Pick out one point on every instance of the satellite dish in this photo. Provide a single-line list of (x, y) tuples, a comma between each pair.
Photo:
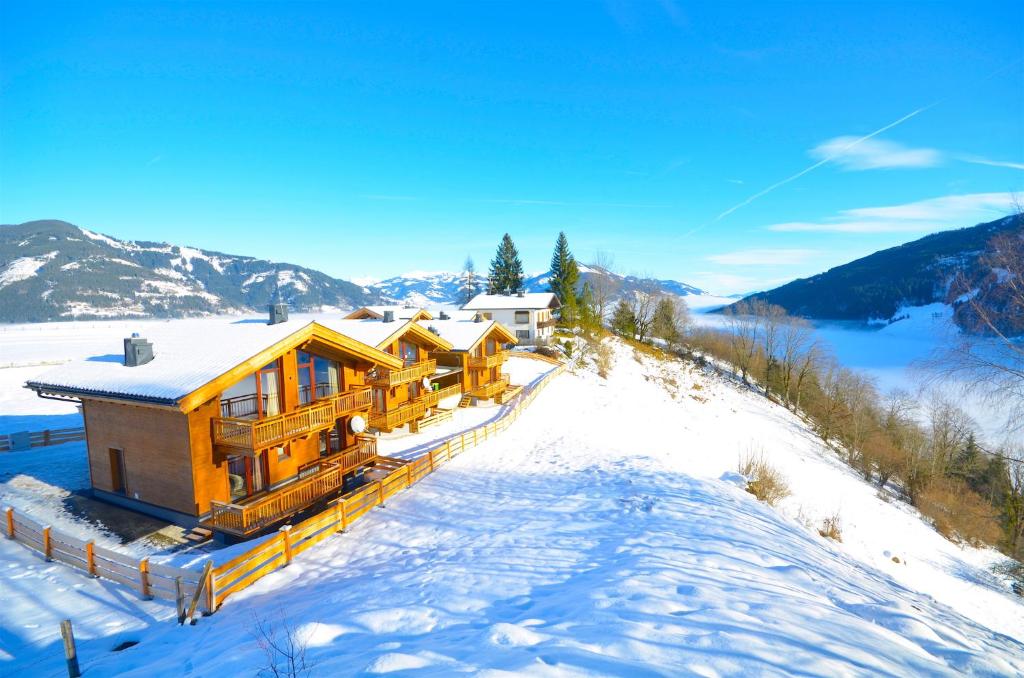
[(357, 424), (426, 383)]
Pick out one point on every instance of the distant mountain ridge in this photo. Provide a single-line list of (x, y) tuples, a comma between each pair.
[(875, 287), (445, 287), (54, 270)]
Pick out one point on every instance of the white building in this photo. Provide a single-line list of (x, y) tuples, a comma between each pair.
[(528, 315)]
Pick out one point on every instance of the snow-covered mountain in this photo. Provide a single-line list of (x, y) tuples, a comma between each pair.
[(445, 287), (53, 270)]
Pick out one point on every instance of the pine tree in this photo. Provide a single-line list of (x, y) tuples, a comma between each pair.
[(564, 271), (469, 287), (586, 308), (623, 320), (506, 274)]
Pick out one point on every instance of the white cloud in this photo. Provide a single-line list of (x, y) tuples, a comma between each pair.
[(855, 153), (765, 257), (935, 214)]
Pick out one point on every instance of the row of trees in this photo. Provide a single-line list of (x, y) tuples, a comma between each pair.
[(926, 449)]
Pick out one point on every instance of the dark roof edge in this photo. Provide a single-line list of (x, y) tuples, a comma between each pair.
[(39, 387)]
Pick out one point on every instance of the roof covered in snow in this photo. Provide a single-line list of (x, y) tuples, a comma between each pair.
[(188, 354), (531, 300), (401, 312), (462, 334)]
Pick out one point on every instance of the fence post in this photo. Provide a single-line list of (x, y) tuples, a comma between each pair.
[(286, 534), (10, 522), (46, 437), (70, 653), (90, 557), (408, 475), (448, 449), (204, 579), (211, 593), (344, 514), (47, 544), (144, 579), (179, 600)]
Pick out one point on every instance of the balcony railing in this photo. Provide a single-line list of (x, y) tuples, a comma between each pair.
[(381, 376), (550, 322), (432, 398), (487, 361), (492, 389), (252, 435), (403, 414), (275, 506)]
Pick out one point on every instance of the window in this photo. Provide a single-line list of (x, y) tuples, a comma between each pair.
[(283, 453), (522, 334), (117, 474), (408, 352), (522, 317)]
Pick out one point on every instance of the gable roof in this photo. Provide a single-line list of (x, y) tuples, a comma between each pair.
[(401, 313), (380, 334), (192, 360), (464, 335), (531, 300)]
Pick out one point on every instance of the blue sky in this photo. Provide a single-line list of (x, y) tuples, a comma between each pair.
[(369, 139)]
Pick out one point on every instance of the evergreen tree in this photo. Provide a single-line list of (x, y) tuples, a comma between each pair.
[(586, 308), (666, 322), (506, 274), (469, 287), (565, 275), (623, 320)]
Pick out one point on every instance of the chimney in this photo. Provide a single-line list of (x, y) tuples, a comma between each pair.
[(389, 316), (478, 318), (520, 294), (443, 316), (433, 330), (137, 351), (278, 314)]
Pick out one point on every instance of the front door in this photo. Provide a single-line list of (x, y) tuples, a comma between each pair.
[(117, 471)]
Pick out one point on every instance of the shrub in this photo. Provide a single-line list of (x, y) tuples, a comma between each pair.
[(763, 480), (958, 513), (604, 360), (831, 528)]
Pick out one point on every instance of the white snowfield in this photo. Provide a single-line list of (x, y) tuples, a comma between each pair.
[(605, 533)]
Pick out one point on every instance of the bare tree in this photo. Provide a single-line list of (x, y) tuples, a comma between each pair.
[(987, 357), (283, 647), (794, 343), (744, 328), (643, 302), (604, 284)]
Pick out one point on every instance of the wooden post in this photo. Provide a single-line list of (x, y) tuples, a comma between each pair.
[(380, 494), (47, 543), (206, 575), (344, 515), (10, 522), (448, 449), (46, 437), (70, 653), (144, 579), (179, 600), (286, 534), (431, 455), (211, 593), (408, 475), (90, 557)]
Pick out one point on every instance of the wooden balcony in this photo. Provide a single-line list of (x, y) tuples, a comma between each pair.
[(432, 398), (388, 378), (492, 389), (253, 435), (550, 322), (312, 486), (403, 414), (488, 361)]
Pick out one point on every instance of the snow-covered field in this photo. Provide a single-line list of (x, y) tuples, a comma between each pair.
[(603, 533)]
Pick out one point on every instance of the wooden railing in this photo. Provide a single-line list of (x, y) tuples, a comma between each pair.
[(384, 377), (492, 389), (432, 398), (244, 519), (259, 434), (493, 360), (550, 322), (403, 414), (15, 442)]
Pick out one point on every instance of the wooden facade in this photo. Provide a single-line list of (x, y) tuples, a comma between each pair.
[(248, 438), (477, 369)]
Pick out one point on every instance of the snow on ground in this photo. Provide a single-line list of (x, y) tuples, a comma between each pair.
[(603, 533)]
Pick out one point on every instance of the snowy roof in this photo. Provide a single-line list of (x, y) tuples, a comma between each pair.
[(401, 312), (486, 302), (461, 334), (189, 354)]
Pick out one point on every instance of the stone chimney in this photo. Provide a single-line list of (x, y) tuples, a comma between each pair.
[(137, 351), (278, 314), (389, 316)]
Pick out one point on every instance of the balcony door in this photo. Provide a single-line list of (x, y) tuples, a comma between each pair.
[(255, 396), (491, 347), (408, 352), (318, 377), (246, 476)]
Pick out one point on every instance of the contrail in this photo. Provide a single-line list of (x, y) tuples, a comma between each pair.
[(818, 164)]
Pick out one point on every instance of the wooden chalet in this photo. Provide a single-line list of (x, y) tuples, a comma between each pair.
[(479, 349), (240, 425), (396, 313)]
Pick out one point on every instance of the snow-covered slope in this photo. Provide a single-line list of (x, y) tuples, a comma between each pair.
[(603, 533)]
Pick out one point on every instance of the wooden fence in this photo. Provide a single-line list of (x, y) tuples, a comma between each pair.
[(215, 584), (55, 436), (291, 540), (151, 580)]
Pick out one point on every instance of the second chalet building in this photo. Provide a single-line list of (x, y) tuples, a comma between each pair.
[(244, 423)]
